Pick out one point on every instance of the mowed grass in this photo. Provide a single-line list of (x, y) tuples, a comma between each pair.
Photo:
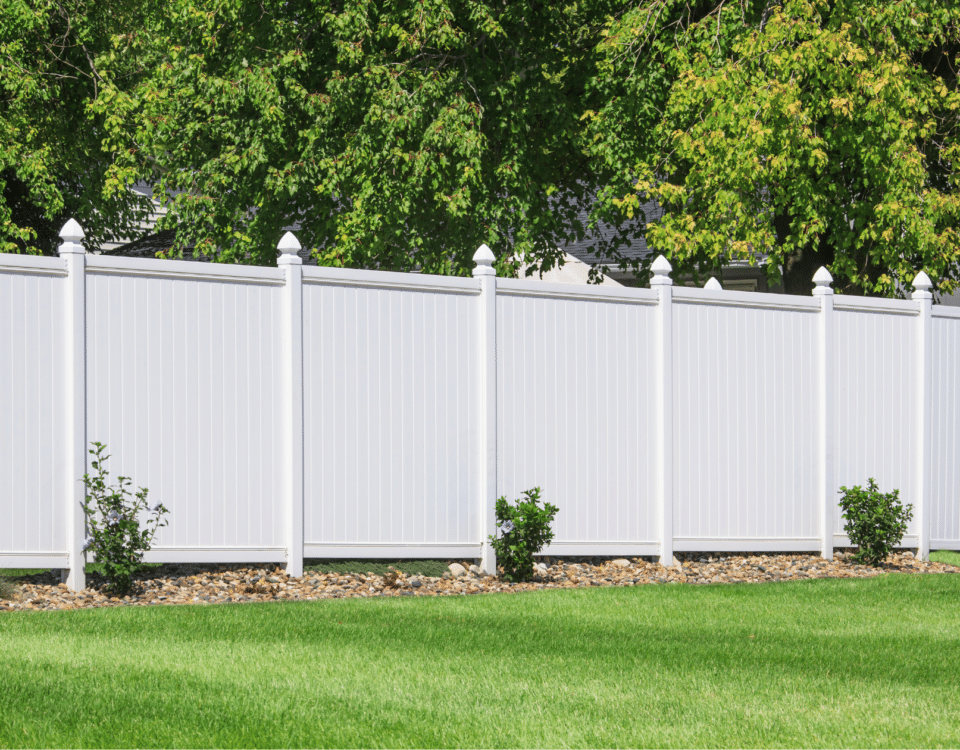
[(88, 568), (946, 556), (434, 568), (833, 663)]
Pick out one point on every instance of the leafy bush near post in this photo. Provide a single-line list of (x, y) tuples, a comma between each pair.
[(525, 529), (114, 533), (874, 521)]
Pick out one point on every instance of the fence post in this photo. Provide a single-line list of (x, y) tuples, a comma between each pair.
[(75, 335), (485, 273), (292, 396), (663, 401), (924, 300), (827, 390)]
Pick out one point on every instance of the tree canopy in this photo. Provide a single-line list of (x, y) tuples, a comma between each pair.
[(797, 134), (394, 134), (52, 166), (401, 134)]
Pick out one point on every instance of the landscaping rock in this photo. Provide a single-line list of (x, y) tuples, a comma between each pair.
[(204, 585), (457, 569)]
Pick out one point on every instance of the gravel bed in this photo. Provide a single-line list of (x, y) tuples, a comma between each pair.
[(212, 584)]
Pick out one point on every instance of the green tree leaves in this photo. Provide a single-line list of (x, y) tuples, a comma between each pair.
[(804, 133), (402, 135), (52, 162), (396, 135)]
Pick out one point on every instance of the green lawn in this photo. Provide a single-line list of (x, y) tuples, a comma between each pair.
[(435, 568), (946, 556), (89, 568), (833, 663)]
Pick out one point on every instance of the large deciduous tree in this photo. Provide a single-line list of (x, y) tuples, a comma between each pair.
[(52, 165), (396, 134), (794, 134), (401, 134)]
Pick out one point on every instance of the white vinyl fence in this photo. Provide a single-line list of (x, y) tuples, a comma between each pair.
[(292, 412)]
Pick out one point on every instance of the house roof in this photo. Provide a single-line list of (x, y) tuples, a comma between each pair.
[(149, 246), (636, 250)]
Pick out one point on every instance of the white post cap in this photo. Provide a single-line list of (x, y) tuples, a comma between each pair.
[(713, 284), (71, 234), (922, 285), (661, 272), (823, 280), (484, 259), (289, 246)]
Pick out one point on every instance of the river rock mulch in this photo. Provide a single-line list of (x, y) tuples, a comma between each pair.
[(218, 584)]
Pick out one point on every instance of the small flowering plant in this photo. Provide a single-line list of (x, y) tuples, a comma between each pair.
[(114, 535), (524, 529)]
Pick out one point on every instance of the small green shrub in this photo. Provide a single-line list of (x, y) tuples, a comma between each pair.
[(115, 536), (874, 521), (525, 530)]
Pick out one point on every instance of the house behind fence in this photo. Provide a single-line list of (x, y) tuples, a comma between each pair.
[(292, 412)]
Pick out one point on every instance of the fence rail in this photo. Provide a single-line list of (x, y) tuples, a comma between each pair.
[(290, 412)]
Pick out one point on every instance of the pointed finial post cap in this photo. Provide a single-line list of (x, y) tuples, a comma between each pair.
[(823, 280), (72, 231), (661, 272), (289, 246), (713, 284), (484, 259), (922, 285), (71, 234)]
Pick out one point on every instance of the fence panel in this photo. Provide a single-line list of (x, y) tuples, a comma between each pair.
[(389, 418), (945, 413), (182, 383), (33, 466), (877, 379), (192, 383), (745, 436), (574, 378)]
